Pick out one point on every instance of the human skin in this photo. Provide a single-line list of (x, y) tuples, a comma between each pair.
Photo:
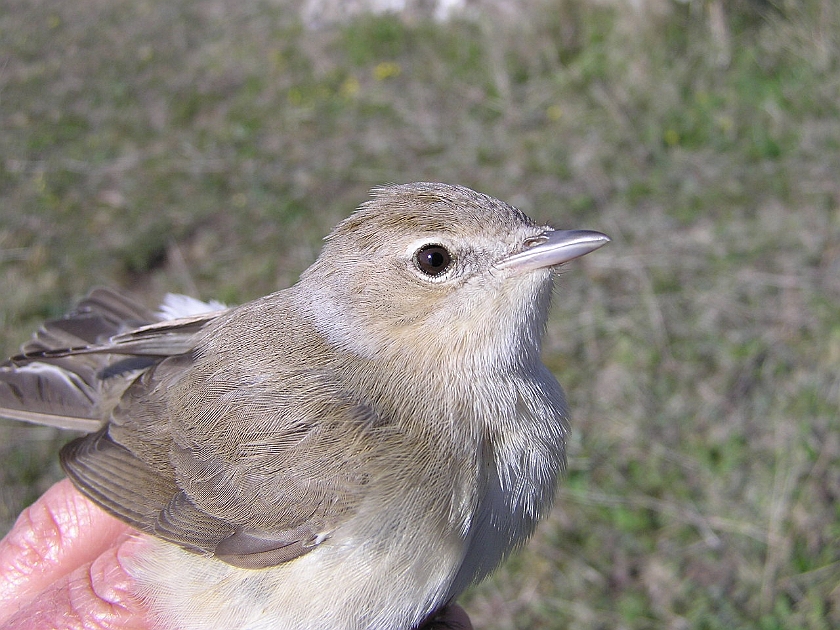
[(62, 566)]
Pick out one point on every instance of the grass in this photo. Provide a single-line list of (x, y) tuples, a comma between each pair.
[(206, 148)]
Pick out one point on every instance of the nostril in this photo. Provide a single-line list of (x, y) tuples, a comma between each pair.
[(534, 241)]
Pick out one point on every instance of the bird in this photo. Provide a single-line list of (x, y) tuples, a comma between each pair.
[(350, 452)]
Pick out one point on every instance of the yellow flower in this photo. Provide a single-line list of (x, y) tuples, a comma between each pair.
[(349, 88), (386, 70)]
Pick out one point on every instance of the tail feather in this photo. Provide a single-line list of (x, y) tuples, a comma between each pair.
[(74, 367)]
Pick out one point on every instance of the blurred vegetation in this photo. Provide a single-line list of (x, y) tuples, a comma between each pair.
[(206, 147)]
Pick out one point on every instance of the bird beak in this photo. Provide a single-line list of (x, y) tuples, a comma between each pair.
[(552, 248)]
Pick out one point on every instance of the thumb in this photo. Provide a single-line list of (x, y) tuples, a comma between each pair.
[(60, 567), (95, 596)]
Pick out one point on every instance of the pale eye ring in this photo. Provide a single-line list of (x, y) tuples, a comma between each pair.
[(433, 259)]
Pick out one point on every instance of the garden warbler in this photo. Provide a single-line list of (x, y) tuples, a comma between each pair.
[(350, 452)]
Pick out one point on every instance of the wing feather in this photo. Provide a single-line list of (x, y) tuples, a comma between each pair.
[(256, 463), (75, 367)]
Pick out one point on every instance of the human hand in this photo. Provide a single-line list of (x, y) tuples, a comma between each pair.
[(453, 617), (61, 566)]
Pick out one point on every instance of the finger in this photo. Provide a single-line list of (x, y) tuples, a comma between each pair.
[(97, 595), (58, 533), (453, 617)]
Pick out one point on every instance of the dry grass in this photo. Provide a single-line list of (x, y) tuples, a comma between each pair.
[(206, 147)]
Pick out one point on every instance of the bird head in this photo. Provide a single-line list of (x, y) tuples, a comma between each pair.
[(439, 267)]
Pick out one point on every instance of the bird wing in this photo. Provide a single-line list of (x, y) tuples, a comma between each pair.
[(223, 453), (73, 365), (134, 492)]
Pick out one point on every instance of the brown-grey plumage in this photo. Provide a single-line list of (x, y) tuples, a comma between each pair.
[(384, 428)]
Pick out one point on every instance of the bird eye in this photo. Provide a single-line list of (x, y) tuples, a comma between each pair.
[(433, 260)]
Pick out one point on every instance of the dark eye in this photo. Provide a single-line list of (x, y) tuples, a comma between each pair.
[(433, 260)]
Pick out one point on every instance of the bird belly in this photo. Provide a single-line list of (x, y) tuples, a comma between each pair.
[(338, 585)]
